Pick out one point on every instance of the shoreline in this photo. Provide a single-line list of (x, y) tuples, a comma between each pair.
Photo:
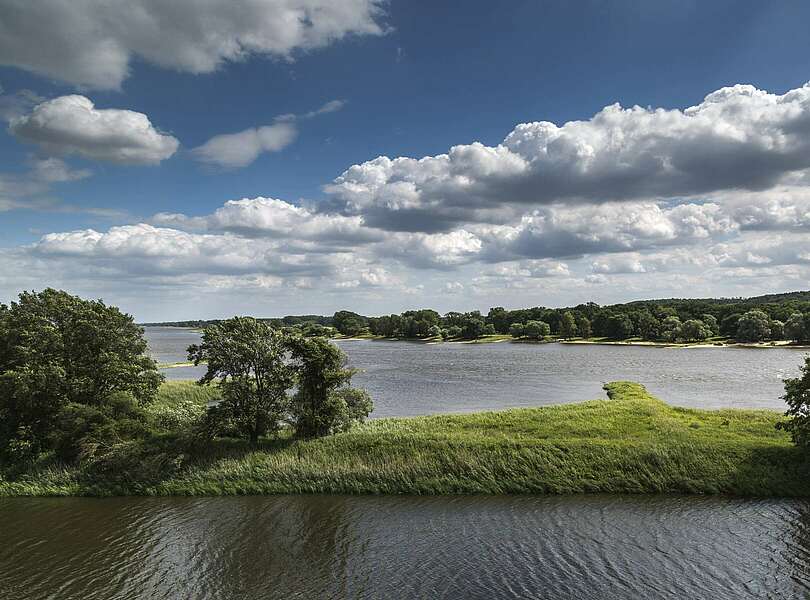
[(630, 443)]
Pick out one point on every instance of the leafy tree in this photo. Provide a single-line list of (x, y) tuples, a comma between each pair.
[(648, 327), (568, 326), (348, 323), (249, 361), (619, 327), (516, 330), (695, 330), (61, 354), (753, 326), (454, 331), (324, 402), (777, 330), (434, 331), (500, 319), (728, 324), (584, 327), (796, 327), (472, 328), (536, 330), (797, 397), (711, 322), (671, 329)]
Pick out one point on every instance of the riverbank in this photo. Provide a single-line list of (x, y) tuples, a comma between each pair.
[(631, 443)]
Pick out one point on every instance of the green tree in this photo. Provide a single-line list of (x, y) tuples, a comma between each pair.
[(249, 360), (753, 326), (324, 403), (649, 328), (61, 355), (797, 397), (695, 330), (348, 323), (568, 326), (473, 328), (777, 330), (796, 327), (619, 327), (711, 322), (671, 329), (584, 327), (516, 330), (536, 330)]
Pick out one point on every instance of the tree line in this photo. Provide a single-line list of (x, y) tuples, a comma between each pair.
[(76, 381), (745, 320)]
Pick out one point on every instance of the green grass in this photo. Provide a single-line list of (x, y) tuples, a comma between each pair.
[(630, 443), (172, 393)]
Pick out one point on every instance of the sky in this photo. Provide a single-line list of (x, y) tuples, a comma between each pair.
[(197, 159)]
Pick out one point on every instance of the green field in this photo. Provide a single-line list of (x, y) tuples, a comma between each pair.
[(629, 443)]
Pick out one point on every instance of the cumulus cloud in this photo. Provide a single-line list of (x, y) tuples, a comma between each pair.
[(73, 125), (273, 218), (92, 42), (234, 150), (561, 231), (738, 138)]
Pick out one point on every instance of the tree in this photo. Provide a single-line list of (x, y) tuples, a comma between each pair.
[(649, 328), (536, 330), (61, 354), (472, 328), (584, 327), (797, 397), (694, 330), (568, 326), (434, 331), (619, 327), (753, 326), (250, 362), (348, 323), (777, 330), (499, 317), (324, 403), (516, 330), (671, 329), (796, 327), (711, 322)]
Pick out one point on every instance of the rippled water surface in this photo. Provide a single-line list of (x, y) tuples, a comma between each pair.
[(404, 547), (407, 378)]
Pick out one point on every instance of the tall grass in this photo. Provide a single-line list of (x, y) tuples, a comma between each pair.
[(631, 442)]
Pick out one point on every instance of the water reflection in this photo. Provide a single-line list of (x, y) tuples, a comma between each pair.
[(404, 547)]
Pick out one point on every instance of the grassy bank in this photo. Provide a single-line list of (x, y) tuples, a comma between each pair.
[(631, 442)]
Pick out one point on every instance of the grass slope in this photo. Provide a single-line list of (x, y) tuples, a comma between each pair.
[(632, 443)]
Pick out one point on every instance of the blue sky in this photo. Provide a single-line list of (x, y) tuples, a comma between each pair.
[(405, 79)]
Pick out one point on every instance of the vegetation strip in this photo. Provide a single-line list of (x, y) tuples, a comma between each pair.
[(632, 442)]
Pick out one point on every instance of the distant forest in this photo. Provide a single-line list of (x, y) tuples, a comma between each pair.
[(769, 317)]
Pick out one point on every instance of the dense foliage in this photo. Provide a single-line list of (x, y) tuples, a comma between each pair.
[(74, 375), (797, 397), (256, 367)]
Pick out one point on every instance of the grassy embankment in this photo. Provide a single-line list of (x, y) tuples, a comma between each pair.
[(632, 443)]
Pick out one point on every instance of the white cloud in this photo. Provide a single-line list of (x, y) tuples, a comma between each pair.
[(73, 125), (272, 218), (234, 150), (737, 138), (92, 42), (56, 170)]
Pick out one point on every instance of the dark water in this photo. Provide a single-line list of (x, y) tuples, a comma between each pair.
[(602, 547), (407, 378)]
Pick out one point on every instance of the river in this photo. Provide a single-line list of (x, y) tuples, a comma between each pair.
[(413, 378), (602, 547), (565, 547)]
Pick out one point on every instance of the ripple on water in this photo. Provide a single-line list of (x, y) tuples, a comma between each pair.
[(405, 547)]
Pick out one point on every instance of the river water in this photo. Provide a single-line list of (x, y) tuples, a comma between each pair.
[(577, 547), (602, 547), (412, 378)]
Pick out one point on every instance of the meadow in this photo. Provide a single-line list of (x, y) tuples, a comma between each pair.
[(630, 442)]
